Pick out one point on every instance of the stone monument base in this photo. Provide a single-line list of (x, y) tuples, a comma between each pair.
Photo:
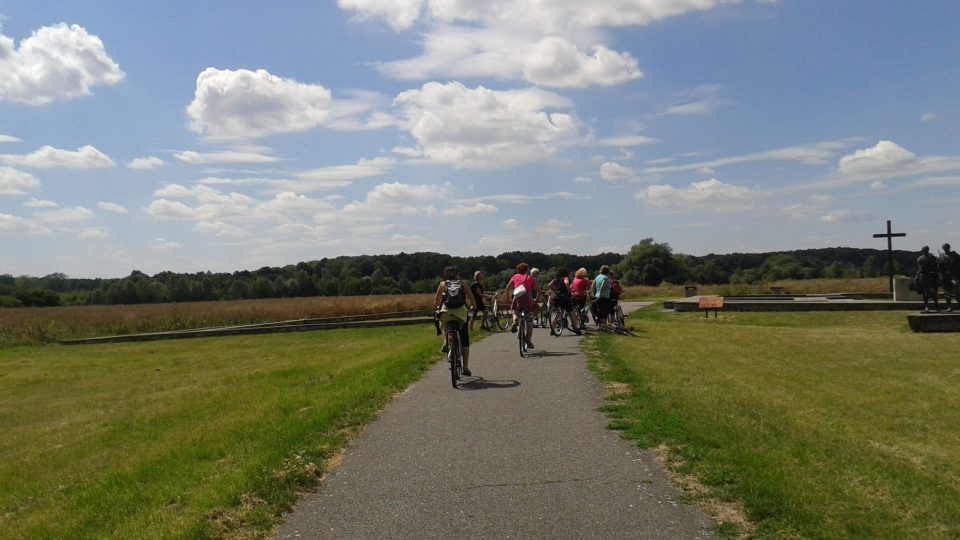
[(934, 322)]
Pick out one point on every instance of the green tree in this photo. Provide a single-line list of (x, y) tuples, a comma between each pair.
[(650, 263)]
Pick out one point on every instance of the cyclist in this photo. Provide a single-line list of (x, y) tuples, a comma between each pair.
[(522, 300), (478, 295), (602, 287), (537, 297), (451, 302), (561, 296), (578, 289)]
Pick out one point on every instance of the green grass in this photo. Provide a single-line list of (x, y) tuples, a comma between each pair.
[(186, 439), (823, 425)]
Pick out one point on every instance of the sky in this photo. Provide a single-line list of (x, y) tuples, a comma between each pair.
[(229, 135)]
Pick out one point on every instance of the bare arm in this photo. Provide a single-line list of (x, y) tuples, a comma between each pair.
[(438, 299), (471, 301)]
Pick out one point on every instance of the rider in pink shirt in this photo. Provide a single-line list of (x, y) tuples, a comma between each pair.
[(579, 288)]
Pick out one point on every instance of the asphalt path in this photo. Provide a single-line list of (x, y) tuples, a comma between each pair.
[(520, 450)]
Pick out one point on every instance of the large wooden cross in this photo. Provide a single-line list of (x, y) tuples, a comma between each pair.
[(889, 235)]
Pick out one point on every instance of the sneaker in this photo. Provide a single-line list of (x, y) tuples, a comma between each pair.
[(530, 345), (577, 332), (445, 348), (467, 372), (513, 328)]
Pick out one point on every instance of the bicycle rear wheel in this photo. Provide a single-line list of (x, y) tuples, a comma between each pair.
[(456, 360), (522, 333), (557, 315), (618, 316), (499, 320)]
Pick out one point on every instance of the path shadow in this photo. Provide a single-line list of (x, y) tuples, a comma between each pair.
[(479, 383), (543, 354)]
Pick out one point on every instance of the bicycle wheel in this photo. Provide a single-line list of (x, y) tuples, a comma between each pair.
[(485, 321), (499, 320), (557, 315), (618, 316), (522, 333), (456, 360)]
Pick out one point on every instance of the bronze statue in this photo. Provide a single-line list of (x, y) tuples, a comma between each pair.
[(948, 264), (927, 278)]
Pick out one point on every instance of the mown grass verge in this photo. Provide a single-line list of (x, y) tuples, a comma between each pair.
[(205, 438), (819, 425)]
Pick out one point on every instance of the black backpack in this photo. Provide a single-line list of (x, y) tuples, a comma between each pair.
[(453, 294)]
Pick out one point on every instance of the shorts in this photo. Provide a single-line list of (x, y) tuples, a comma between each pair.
[(564, 302), (604, 307), (579, 301), (460, 316)]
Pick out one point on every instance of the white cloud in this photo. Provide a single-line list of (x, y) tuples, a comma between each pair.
[(244, 104), (65, 215), (885, 157), (480, 128), (397, 198), (160, 244), (627, 141), (928, 117), (93, 233), (8, 139), (613, 172), (145, 163), (555, 62), (333, 177), (582, 180), (164, 209), (56, 63), (48, 157), (14, 182), (221, 229), (558, 44), (14, 224), (468, 209), (807, 154), (514, 198), (284, 206), (843, 216), (225, 156), (39, 203), (510, 224), (707, 195), (111, 207)]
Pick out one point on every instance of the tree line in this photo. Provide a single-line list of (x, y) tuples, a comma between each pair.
[(646, 263)]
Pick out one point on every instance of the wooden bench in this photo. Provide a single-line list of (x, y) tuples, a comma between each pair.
[(711, 302)]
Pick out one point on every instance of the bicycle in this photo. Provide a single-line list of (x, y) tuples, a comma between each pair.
[(451, 335), (557, 319), (491, 319), (522, 323), (618, 317)]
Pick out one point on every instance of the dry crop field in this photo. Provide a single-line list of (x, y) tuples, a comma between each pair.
[(37, 325)]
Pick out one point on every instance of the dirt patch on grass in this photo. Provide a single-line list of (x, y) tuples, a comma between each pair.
[(722, 512)]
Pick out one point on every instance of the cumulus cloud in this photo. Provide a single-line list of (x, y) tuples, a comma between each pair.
[(65, 215), (145, 163), (10, 224), (56, 63), (113, 208), (160, 244), (885, 157), (557, 44), (221, 229), (14, 182), (614, 172), (253, 155), (397, 198), (48, 157), (8, 139), (469, 209), (626, 141), (39, 203), (244, 104), (93, 233), (480, 128), (707, 195), (843, 216)]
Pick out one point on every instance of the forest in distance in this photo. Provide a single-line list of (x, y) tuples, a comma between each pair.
[(647, 263)]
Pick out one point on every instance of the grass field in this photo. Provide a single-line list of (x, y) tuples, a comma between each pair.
[(817, 425), (790, 286), (195, 438), (40, 325)]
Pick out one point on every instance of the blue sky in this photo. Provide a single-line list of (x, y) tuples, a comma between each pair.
[(225, 135)]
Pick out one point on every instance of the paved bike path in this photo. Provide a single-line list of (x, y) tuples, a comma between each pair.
[(519, 451)]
